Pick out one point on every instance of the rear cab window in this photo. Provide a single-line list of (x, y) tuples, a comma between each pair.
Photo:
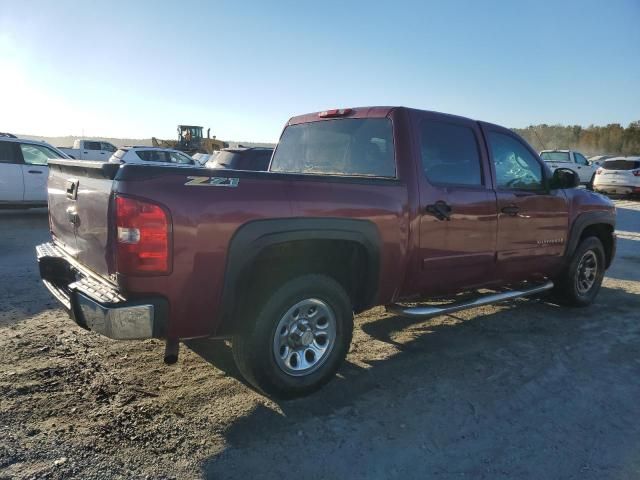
[(347, 146), (555, 156)]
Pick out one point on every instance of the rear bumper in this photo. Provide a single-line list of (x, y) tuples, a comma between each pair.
[(95, 304), (620, 189)]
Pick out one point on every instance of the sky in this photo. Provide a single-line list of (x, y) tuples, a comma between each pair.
[(136, 69)]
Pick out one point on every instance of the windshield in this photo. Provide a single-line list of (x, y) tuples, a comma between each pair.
[(359, 146), (555, 156), (621, 164)]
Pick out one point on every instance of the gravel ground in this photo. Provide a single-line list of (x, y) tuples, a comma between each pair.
[(526, 390)]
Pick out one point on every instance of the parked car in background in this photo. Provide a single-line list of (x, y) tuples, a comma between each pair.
[(360, 207), (24, 171), (203, 158), (598, 160), (90, 150), (152, 156), (618, 175), (242, 158), (572, 160)]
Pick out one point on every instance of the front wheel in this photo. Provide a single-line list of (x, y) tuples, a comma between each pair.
[(580, 282), (294, 342)]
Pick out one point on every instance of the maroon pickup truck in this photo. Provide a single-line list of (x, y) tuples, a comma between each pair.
[(360, 207)]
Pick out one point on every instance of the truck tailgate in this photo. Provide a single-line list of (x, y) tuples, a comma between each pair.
[(79, 194)]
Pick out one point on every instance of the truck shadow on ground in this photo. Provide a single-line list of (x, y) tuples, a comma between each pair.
[(514, 346)]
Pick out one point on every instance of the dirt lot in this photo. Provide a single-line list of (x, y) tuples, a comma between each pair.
[(524, 390)]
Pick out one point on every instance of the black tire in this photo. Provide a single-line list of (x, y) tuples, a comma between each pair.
[(568, 290), (253, 345)]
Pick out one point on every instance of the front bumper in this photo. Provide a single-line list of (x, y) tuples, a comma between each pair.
[(97, 305)]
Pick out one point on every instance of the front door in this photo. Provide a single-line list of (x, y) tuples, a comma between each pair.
[(11, 184), (458, 218), (532, 221), (35, 171)]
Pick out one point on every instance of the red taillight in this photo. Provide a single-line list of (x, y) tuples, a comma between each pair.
[(636, 173), (341, 112), (142, 237), (598, 171)]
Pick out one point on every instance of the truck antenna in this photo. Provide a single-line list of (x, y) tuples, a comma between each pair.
[(544, 147)]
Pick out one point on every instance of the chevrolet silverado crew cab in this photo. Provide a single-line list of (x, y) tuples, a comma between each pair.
[(360, 207)]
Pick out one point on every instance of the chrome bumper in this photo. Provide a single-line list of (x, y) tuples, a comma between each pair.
[(97, 305)]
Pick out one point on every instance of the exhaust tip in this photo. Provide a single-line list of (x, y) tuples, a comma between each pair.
[(171, 351)]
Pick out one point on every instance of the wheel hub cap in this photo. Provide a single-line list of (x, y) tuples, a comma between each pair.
[(587, 272), (304, 337)]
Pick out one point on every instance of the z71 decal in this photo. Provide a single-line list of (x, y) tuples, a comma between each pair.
[(212, 182)]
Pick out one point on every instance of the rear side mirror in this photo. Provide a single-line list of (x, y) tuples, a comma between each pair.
[(564, 178)]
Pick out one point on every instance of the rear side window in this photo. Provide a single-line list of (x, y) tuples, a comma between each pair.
[(92, 145), (355, 146), (621, 164), (449, 154), (9, 153)]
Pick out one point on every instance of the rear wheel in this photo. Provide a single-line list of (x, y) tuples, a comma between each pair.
[(294, 342), (581, 281)]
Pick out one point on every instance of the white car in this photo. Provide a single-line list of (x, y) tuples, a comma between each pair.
[(24, 171), (620, 175), (152, 156), (572, 160)]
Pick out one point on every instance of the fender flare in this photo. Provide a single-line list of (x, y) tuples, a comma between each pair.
[(583, 221), (254, 237)]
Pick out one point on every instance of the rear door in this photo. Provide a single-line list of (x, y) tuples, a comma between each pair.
[(11, 182), (457, 205), (92, 151), (532, 221)]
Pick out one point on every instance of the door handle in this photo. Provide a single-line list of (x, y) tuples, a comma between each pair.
[(511, 210), (440, 210), (34, 171)]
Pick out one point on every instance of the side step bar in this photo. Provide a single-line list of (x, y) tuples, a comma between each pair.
[(433, 311)]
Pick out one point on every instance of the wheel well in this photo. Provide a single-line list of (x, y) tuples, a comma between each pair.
[(604, 232), (343, 260)]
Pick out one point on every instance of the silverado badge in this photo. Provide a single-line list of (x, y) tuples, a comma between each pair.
[(213, 181)]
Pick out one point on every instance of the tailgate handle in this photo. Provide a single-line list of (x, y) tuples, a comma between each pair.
[(72, 189)]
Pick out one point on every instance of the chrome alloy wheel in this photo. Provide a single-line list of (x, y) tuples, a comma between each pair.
[(587, 272), (304, 337)]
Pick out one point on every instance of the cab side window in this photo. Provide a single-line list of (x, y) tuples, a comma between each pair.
[(516, 167), (580, 159), (8, 153), (37, 154), (450, 154), (92, 145), (108, 147)]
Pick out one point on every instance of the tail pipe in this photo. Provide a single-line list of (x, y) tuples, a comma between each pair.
[(171, 349), (423, 311)]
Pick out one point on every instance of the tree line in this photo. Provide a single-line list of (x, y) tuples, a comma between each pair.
[(613, 139)]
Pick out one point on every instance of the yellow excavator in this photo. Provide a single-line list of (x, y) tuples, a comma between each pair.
[(190, 141)]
